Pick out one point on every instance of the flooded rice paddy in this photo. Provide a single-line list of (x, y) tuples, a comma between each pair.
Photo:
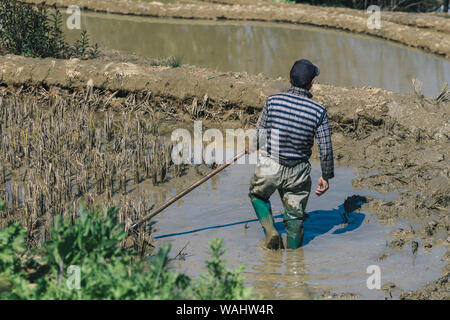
[(338, 246), (335, 255), (345, 59)]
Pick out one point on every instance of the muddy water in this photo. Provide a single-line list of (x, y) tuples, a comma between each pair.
[(270, 49), (335, 255)]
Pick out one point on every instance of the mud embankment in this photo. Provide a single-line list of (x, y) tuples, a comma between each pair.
[(397, 142), (417, 115), (424, 31), (132, 77)]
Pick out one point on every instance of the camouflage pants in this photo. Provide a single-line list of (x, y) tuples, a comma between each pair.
[(292, 183)]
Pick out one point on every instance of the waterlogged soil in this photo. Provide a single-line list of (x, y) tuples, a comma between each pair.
[(429, 32), (398, 145), (338, 246), (269, 48)]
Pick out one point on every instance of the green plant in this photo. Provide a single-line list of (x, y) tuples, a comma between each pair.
[(13, 261), (90, 237), (219, 282), (173, 62), (106, 270), (34, 32)]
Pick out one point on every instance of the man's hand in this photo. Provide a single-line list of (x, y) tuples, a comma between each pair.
[(322, 186)]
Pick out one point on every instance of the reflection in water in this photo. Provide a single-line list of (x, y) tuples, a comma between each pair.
[(292, 284), (345, 60)]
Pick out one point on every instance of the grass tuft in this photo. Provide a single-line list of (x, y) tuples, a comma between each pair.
[(173, 62)]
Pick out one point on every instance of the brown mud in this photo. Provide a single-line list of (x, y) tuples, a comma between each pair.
[(396, 142), (429, 32)]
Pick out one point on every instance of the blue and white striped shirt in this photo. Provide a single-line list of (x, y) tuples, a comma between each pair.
[(296, 120)]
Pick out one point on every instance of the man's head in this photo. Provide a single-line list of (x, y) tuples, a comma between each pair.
[(303, 73)]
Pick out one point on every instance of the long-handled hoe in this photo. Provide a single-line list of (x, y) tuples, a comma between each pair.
[(187, 190)]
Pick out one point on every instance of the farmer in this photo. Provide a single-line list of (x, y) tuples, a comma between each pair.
[(285, 135)]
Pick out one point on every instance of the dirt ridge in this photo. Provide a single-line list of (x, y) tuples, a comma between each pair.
[(244, 91)]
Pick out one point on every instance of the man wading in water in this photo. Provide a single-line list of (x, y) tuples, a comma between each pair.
[(289, 123)]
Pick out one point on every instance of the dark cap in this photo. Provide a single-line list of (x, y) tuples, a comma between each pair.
[(302, 72)]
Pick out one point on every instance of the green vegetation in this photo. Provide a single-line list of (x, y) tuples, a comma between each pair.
[(92, 243), (173, 62), (391, 5), (35, 32)]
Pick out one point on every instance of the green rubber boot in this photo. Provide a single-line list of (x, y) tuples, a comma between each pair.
[(294, 232), (264, 214)]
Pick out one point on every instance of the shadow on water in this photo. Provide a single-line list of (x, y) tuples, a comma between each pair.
[(340, 242), (342, 219)]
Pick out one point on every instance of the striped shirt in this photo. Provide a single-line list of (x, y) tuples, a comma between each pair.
[(290, 121)]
